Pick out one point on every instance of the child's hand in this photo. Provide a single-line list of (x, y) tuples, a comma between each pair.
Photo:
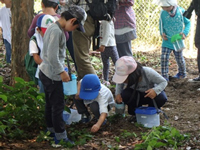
[(95, 128), (118, 98), (77, 96), (164, 36), (183, 35), (101, 48), (150, 93), (65, 76)]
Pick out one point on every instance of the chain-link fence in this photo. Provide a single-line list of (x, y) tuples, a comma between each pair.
[(148, 35)]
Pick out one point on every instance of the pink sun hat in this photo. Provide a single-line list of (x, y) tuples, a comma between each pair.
[(123, 67)]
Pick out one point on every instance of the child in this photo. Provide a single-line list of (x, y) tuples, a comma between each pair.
[(5, 19), (107, 47), (143, 85), (52, 72), (100, 98), (172, 22), (48, 7), (36, 42)]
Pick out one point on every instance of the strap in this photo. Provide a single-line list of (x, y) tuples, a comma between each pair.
[(154, 102), (34, 39)]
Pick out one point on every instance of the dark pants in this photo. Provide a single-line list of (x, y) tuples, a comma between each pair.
[(132, 104), (82, 108), (70, 47), (197, 42), (54, 107)]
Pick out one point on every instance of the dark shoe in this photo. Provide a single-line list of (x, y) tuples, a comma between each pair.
[(132, 119), (197, 79), (66, 140), (179, 76), (85, 118)]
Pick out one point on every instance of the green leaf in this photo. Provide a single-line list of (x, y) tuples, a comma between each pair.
[(4, 97), (1, 78), (67, 109), (149, 147), (18, 79)]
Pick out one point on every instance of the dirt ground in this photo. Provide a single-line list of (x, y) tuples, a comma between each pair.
[(182, 108)]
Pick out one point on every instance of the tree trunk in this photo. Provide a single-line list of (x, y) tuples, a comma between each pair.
[(22, 15)]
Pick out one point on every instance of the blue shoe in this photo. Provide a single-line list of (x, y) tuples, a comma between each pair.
[(179, 76), (66, 140), (85, 118)]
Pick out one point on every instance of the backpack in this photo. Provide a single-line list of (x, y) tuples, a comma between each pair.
[(30, 64), (102, 9)]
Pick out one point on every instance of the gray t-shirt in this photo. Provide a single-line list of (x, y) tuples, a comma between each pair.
[(54, 52)]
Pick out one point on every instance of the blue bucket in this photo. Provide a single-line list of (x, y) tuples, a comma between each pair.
[(70, 88)]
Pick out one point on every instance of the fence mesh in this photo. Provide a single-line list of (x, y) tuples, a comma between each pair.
[(148, 35)]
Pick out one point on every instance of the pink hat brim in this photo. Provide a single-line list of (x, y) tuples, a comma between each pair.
[(119, 79)]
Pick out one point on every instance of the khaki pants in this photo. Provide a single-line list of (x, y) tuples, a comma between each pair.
[(82, 42)]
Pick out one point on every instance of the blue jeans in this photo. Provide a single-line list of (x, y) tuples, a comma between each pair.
[(8, 51), (41, 90)]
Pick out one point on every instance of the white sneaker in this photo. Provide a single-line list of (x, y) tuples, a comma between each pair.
[(198, 89)]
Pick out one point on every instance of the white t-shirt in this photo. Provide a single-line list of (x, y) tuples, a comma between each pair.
[(34, 49), (107, 33), (104, 99), (5, 19)]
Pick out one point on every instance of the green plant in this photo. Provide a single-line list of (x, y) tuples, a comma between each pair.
[(21, 109), (126, 134), (162, 136), (114, 118)]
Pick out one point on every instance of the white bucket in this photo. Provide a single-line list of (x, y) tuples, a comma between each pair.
[(147, 116), (179, 45), (70, 88)]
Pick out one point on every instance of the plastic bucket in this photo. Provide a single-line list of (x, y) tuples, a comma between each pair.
[(70, 88), (147, 116), (178, 42), (119, 108)]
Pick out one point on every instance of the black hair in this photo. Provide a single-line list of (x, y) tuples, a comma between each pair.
[(134, 78), (49, 4), (67, 16)]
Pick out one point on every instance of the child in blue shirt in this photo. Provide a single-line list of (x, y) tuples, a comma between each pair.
[(172, 22)]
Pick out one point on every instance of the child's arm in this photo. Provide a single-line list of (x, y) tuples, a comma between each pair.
[(37, 58), (105, 25), (187, 26), (97, 126), (78, 90)]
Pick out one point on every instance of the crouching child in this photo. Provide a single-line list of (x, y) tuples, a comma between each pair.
[(100, 99)]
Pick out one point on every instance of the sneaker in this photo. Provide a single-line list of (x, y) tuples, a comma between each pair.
[(179, 76), (66, 140), (85, 118), (197, 79)]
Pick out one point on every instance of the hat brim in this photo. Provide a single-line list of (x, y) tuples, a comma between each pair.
[(81, 28), (119, 79), (88, 95)]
